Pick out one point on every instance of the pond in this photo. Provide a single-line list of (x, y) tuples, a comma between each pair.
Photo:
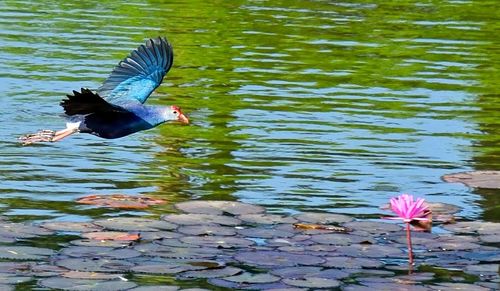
[(295, 106)]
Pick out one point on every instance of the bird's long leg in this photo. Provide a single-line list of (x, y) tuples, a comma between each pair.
[(47, 136)]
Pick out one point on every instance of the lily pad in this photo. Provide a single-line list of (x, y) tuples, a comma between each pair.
[(490, 238), (323, 218), (100, 252), (340, 239), (295, 272), (264, 232), (112, 235), (212, 273), (21, 230), (275, 258), (482, 256), (217, 241), (134, 224), (263, 218), (162, 288), (374, 227), (101, 243), (352, 263), (475, 179), (91, 275), (66, 226), (163, 268), (219, 207), (120, 201), (458, 286), (15, 267), (470, 227), (13, 279), (250, 278), (371, 251), (313, 282), (197, 219), (85, 284), (24, 253), (207, 229), (178, 253), (156, 235), (95, 265)]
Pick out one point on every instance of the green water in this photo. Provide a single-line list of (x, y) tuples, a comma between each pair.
[(295, 105)]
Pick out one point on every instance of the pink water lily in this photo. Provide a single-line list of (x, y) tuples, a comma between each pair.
[(407, 209)]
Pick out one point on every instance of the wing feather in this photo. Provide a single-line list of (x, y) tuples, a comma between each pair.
[(139, 74)]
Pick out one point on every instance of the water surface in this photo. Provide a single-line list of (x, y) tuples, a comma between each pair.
[(295, 105)]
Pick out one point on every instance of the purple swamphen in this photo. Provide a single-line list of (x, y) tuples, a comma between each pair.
[(117, 108)]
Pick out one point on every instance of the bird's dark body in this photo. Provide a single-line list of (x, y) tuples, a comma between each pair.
[(98, 117), (113, 125)]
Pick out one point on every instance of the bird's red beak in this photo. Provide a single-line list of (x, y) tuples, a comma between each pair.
[(182, 118)]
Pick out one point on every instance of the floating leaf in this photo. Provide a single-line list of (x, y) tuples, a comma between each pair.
[(275, 258), (295, 272), (339, 239), (207, 229), (163, 288), (95, 265), (21, 230), (24, 253), (308, 226), (120, 201), (475, 179), (45, 270), (112, 235), (264, 232), (266, 218), (374, 227), (100, 252), (66, 226), (163, 268), (154, 250), (13, 279), (250, 278), (91, 275), (323, 218), (217, 241), (313, 282), (101, 243), (85, 284), (352, 263), (212, 273), (458, 286), (134, 224), (371, 251), (197, 219), (219, 207), (156, 235), (470, 227)]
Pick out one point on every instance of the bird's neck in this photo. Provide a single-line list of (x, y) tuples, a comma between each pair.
[(154, 114)]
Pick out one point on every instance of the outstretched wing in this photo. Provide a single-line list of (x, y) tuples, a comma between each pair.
[(87, 102), (139, 74)]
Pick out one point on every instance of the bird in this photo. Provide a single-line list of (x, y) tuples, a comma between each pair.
[(116, 109)]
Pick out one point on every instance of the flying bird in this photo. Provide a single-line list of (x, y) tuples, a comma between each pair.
[(117, 108)]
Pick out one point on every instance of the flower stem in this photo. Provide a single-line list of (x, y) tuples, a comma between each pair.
[(410, 249)]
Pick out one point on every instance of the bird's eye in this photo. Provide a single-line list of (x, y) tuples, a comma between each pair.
[(175, 112)]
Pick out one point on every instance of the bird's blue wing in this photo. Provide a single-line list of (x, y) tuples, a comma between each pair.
[(139, 74)]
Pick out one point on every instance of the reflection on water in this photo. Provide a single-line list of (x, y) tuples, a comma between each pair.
[(296, 105)]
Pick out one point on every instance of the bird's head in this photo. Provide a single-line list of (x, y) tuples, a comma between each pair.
[(174, 113)]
